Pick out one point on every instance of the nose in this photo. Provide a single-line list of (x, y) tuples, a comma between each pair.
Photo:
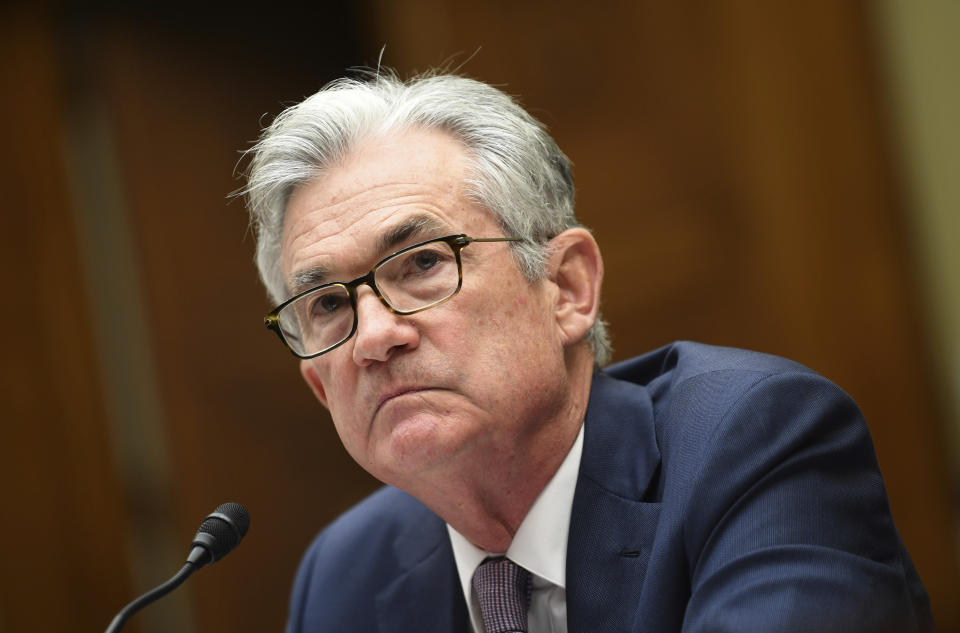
[(380, 332)]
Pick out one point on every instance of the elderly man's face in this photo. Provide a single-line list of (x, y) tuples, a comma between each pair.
[(444, 389)]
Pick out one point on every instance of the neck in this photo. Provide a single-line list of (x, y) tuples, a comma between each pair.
[(487, 500)]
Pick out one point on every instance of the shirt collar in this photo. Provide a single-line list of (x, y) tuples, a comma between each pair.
[(540, 543)]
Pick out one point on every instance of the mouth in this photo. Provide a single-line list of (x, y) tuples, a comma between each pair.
[(397, 393)]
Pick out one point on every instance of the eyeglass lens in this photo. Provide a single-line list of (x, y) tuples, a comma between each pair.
[(407, 281)]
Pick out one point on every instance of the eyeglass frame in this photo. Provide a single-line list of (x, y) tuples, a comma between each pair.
[(456, 242)]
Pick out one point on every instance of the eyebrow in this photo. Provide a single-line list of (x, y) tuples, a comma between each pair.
[(414, 226), (308, 279)]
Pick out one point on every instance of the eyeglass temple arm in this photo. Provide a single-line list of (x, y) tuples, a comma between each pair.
[(493, 239)]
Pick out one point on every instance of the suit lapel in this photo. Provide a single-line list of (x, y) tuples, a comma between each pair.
[(427, 596), (611, 528)]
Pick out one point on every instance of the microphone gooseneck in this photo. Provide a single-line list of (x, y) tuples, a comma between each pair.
[(221, 531)]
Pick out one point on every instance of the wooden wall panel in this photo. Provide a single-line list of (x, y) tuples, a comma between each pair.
[(63, 523)]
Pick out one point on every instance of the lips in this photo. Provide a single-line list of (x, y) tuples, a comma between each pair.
[(396, 393)]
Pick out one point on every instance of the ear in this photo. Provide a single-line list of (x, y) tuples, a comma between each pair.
[(312, 379), (576, 268)]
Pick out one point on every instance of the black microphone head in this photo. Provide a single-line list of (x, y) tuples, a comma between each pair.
[(235, 513), (222, 530)]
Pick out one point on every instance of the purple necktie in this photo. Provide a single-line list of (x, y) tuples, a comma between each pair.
[(503, 591)]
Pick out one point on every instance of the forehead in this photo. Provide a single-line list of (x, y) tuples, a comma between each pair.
[(339, 219)]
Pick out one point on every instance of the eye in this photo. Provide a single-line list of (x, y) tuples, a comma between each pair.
[(426, 259), (327, 304), (424, 264)]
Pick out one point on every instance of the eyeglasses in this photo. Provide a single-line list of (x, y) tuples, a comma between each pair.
[(411, 280)]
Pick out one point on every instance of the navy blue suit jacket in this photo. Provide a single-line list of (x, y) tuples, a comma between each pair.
[(719, 490)]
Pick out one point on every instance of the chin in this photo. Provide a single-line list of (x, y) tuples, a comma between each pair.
[(420, 441)]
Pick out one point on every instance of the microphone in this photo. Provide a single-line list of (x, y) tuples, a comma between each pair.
[(220, 532)]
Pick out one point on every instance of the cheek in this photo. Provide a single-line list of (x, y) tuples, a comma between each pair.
[(513, 339), (349, 424), (353, 442), (507, 304), (339, 385), (515, 311), (348, 434)]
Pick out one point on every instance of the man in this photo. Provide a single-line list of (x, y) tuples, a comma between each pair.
[(421, 241)]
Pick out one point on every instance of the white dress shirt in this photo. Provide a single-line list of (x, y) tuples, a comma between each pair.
[(539, 546)]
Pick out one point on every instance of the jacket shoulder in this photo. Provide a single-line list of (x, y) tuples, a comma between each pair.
[(697, 391), (357, 556), (685, 359)]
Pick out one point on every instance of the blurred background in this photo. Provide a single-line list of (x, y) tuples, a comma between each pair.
[(778, 176)]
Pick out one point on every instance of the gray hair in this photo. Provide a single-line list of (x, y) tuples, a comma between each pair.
[(516, 169)]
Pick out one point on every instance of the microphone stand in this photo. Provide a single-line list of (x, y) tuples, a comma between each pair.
[(151, 596)]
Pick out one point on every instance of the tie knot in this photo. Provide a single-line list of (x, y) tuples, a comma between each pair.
[(503, 591)]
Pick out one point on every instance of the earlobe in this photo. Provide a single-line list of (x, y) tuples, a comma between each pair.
[(310, 376), (576, 267)]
